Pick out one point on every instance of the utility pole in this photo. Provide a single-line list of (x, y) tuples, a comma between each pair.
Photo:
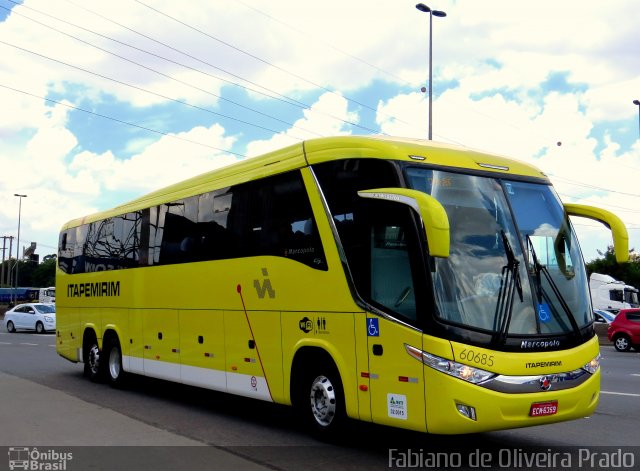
[(18, 257), (4, 248), (9, 277)]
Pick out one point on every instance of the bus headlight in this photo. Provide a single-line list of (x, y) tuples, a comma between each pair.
[(593, 365), (452, 368)]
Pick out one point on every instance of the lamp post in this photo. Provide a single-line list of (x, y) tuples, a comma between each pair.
[(425, 9), (637, 103), (18, 246)]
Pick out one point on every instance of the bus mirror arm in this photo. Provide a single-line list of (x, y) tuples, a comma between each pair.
[(432, 214), (613, 222)]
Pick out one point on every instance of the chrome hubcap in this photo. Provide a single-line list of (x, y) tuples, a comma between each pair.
[(114, 363), (323, 400), (94, 358), (621, 343)]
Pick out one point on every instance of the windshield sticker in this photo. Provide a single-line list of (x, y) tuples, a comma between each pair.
[(544, 313)]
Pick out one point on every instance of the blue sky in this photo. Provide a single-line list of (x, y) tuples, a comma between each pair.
[(105, 101)]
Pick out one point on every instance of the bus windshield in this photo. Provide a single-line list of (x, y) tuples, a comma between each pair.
[(497, 279)]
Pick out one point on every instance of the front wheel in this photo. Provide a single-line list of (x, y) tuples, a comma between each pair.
[(321, 402), (622, 343), (115, 373), (10, 327)]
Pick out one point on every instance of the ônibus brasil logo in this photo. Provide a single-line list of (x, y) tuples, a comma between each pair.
[(23, 457)]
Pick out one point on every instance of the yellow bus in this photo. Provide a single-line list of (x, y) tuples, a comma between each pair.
[(393, 281)]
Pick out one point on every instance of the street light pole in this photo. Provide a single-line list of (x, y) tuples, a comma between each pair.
[(425, 9), (637, 103), (18, 245)]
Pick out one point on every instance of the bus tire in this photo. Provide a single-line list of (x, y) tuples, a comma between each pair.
[(321, 402), (93, 366), (113, 354)]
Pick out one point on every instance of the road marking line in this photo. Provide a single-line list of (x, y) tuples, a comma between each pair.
[(25, 343), (51, 346), (620, 393), (635, 374), (5, 343)]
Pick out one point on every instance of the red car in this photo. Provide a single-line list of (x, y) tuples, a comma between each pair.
[(624, 331)]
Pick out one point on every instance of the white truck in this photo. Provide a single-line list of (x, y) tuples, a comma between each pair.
[(47, 295), (609, 294)]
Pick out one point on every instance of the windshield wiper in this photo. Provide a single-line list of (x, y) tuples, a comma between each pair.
[(540, 268), (509, 283)]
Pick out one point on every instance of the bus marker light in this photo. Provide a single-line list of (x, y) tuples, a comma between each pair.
[(364, 374), (364, 387), (234, 368), (407, 379)]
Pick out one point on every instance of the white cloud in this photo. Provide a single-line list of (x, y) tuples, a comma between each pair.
[(327, 117), (166, 161)]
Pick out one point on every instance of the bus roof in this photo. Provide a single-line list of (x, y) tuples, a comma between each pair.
[(324, 149)]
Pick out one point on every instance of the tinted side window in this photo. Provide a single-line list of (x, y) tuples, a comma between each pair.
[(113, 243), (633, 317), (71, 249), (272, 216), (177, 232)]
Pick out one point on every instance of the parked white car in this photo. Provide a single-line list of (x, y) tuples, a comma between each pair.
[(31, 316)]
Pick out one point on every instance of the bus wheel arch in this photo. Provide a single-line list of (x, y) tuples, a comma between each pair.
[(91, 356), (112, 353), (317, 392)]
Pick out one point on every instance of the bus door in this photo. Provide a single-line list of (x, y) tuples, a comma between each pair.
[(396, 380)]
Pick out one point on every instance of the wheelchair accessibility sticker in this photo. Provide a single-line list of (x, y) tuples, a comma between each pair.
[(372, 327), (544, 312)]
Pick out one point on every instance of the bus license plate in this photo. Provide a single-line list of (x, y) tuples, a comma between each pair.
[(540, 409)]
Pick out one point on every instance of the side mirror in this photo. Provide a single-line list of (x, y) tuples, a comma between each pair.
[(613, 222), (432, 214)]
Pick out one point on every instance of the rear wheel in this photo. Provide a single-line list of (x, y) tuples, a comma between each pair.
[(39, 327), (92, 364), (10, 327), (115, 374), (622, 343)]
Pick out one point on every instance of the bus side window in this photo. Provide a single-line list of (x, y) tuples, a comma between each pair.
[(282, 223)]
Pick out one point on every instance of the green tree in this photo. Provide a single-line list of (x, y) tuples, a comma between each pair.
[(45, 274), (31, 274)]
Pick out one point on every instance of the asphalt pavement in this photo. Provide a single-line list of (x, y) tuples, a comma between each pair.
[(41, 427)]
